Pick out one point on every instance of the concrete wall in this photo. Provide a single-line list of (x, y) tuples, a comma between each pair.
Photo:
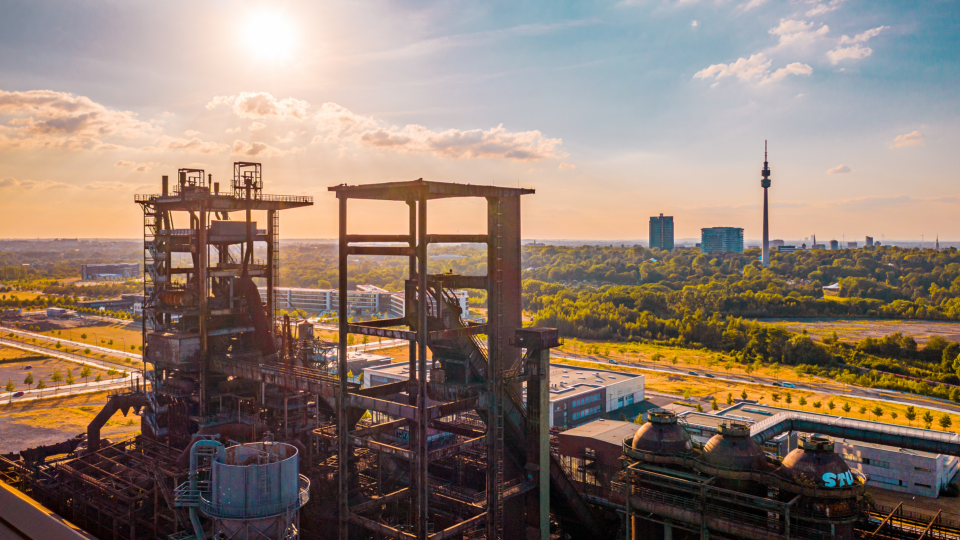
[(897, 469)]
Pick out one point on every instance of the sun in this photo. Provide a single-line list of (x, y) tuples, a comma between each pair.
[(269, 36)]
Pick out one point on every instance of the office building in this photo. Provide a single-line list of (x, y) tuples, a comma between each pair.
[(721, 240), (851, 245), (788, 249), (661, 232), (577, 395), (869, 242), (834, 244), (108, 272), (776, 243), (365, 300)]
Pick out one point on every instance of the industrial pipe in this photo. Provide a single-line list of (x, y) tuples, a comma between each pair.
[(869, 432), (194, 477)]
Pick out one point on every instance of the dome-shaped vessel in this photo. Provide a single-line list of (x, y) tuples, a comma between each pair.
[(662, 434), (814, 464), (733, 448)]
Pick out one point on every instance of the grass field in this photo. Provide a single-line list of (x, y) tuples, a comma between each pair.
[(20, 295), (47, 421), (124, 363), (14, 364), (705, 389), (854, 330)]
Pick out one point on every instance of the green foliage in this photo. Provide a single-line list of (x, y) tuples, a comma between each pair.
[(28, 380), (10, 386), (945, 421), (846, 408)]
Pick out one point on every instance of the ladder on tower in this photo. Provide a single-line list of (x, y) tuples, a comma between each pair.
[(497, 370)]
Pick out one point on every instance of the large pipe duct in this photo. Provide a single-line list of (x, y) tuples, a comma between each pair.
[(122, 402), (194, 478), (870, 432)]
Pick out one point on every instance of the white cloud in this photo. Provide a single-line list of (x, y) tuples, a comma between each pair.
[(262, 105), (11, 183), (112, 186), (567, 167), (752, 4), (256, 125), (338, 124), (856, 51), (258, 149), (797, 33), (840, 169), (863, 37), (49, 119), (823, 7), (137, 167), (234, 130), (753, 69), (694, 23), (194, 145), (191, 133), (289, 137), (848, 53), (914, 138)]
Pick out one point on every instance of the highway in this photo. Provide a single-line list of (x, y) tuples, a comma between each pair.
[(812, 384), (64, 390)]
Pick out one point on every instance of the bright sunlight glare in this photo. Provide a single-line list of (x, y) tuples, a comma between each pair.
[(268, 36)]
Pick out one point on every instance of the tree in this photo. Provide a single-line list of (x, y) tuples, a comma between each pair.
[(99, 377), (41, 385), (58, 345), (639, 419), (729, 399), (656, 357), (802, 401), (743, 395), (928, 419), (775, 397), (945, 421), (86, 351), (862, 411), (366, 339), (699, 408), (350, 339), (775, 368), (10, 386), (728, 366), (85, 373), (56, 377), (111, 372), (83, 336), (29, 380), (831, 405), (70, 379), (789, 398), (911, 414), (713, 405), (846, 408), (816, 404), (894, 415), (877, 411), (686, 394), (674, 360)]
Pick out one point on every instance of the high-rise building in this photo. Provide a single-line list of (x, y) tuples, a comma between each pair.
[(721, 240), (777, 243), (661, 232), (869, 242), (851, 245), (765, 183), (834, 244)]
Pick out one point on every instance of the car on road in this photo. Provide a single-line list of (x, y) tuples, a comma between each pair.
[(18, 394), (788, 385), (614, 362), (694, 373), (709, 375), (28, 367), (777, 384)]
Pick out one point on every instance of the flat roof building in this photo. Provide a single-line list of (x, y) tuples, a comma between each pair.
[(721, 240), (109, 272), (661, 232), (577, 395), (365, 300)]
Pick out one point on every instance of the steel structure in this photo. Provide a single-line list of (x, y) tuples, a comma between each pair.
[(521, 477)]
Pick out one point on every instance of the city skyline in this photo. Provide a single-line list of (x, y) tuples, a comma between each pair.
[(863, 117)]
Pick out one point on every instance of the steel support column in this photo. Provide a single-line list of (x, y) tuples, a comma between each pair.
[(422, 333), (538, 445), (343, 439)]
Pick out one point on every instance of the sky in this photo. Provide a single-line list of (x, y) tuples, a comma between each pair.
[(614, 111)]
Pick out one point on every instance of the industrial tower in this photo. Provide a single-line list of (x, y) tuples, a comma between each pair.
[(765, 183)]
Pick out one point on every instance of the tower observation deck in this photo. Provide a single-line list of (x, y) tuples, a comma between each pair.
[(765, 183)]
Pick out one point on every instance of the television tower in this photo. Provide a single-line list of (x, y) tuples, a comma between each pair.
[(765, 183)]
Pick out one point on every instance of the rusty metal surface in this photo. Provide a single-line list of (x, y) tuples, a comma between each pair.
[(419, 189)]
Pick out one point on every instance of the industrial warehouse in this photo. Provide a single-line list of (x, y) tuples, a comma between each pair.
[(255, 428)]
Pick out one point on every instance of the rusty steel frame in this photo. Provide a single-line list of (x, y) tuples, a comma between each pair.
[(503, 241)]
